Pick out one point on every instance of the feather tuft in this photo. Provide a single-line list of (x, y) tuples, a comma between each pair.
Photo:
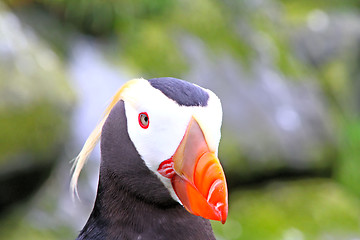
[(94, 138)]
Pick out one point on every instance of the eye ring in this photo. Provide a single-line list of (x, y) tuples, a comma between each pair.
[(144, 120)]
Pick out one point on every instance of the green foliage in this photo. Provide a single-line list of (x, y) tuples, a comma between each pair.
[(35, 130), (158, 54), (297, 11), (307, 209), (97, 17), (18, 226), (348, 166), (212, 22)]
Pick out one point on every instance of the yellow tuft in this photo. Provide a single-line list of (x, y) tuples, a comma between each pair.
[(94, 138)]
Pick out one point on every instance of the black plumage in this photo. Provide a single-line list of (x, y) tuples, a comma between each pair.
[(182, 92)]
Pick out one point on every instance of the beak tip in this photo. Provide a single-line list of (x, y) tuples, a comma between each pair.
[(223, 218), (222, 213)]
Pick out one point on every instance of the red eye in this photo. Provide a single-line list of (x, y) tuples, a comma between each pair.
[(144, 120)]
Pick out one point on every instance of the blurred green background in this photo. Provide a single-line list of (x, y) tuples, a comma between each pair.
[(287, 72)]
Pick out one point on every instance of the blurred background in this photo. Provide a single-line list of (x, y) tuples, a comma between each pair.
[(287, 72)]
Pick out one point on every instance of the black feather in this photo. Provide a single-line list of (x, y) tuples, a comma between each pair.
[(182, 92)]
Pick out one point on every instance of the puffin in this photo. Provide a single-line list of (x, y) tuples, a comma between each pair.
[(160, 176)]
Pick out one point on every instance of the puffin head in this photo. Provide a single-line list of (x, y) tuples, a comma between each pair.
[(160, 138)]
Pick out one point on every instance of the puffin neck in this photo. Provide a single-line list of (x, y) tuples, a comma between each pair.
[(119, 214)]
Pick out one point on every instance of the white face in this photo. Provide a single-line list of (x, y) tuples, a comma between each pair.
[(167, 124)]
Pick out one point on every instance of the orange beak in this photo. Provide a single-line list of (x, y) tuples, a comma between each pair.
[(199, 180)]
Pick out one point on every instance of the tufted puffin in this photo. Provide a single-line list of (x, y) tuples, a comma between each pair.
[(160, 177)]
